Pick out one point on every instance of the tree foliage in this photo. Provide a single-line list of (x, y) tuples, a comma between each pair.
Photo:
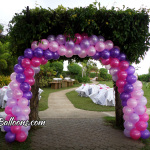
[(74, 68), (57, 66)]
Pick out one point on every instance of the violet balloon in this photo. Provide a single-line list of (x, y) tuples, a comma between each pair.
[(11, 102), (134, 118), (93, 39), (114, 52), (20, 59), (126, 132), (20, 77), (7, 128), (77, 49), (61, 39), (96, 56), (101, 38), (124, 103), (38, 52), (137, 85), (83, 54), (122, 57), (131, 79), (85, 44), (105, 54), (145, 134), (10, 137), (16, 110), (142, 101), (140, 110), (48, 54), (18, 68), (17, 93), (130, 70), (28, 53), (128, 125), (51, 38), (124, 96), (69, 44), (55, 55), (24, 86), (34, 45), (128, 88)]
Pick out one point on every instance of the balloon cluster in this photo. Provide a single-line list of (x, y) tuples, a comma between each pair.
[(129, 87)]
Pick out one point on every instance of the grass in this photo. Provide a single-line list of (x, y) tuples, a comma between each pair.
[(111, 122)]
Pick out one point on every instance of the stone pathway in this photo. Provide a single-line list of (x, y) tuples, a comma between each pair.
[(69, 128)]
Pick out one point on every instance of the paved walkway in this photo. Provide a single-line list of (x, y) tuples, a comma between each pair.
[(69, 128)]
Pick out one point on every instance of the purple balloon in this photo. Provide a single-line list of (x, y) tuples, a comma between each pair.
[(105, 54), (101, 38), (24, 86), (10, 137), (28, 53), (55, 55), (18, 68), (77, 49), (93, 40), (38, 52), (7, 128), (131, 79), (20, 77), (114, 52), (97, 56), (60, 39), (85, 44), (20, 59), (51, 38), (48, 54), (128, 88), (27, 95), (122, 57), (124, 96), (130, 70), (145, 134), (124, 103), (69, 44)]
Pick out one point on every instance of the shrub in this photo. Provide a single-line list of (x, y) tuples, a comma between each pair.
[(144, 77), (93, 75), (104, 75), (4, 80)]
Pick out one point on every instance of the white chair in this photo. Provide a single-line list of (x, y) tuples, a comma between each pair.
[(78, 90), (95, 90), (110, 97), (85, 91)]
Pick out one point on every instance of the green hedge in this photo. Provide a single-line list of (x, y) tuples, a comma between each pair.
[(93, 75), (144, 77)]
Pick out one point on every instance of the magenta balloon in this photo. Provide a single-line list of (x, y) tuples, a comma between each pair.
[(34, 45), (29, 72), (123, 65), (137, 94), (69, 53), (69, 44), (21, 136), (76, 49), (78, 38), (135, 134), (84, 35), (142, 101), (141, 125), (35, 62), (120, 83), (53, 46), (25, 110), (122, 75), (120, 90), (17, 94), (43, 61), (126, 133), (100, 46), (128, 125), (144, 117), (137, 85), (26, 63), (132, 102), (114, 62), (22, 102), (113, 71), (109, 45), (44, 44), (139, 109), (16, 110), (127, 110), (105, 61), (13, 76), (134, 118), (83, 54), (91, 51), (15, 129), (30, 80), (60, 39), (93, 40), (8, 110), (14, 84), (11, 102), (62, 50)]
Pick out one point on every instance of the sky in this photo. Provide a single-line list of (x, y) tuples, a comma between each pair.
[(8, 8)]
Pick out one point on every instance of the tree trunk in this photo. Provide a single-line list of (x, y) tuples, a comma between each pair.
[(34, 102), (118, 108)]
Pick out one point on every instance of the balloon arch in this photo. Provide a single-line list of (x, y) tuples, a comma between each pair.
[(122, 72)]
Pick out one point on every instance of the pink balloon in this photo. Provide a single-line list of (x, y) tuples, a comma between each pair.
[(126, 133), (139, 109), (128, 125), (114, 62), (17, 94), (8, 110), (8, 117), (131, 102), (21, 136), (16, 110), (127, 110), (26, 63), (22, 102), (35, 62), (109, 45), (34, 45), (14, 85), (115, 78), (30, 80), (113, 71), (77, 49), (122, 75), (82, 54), (135, 134), (141, 125), (29, 72), (123, 65), (126, 117), (100, 46), (120, 83), (25, 110), (69, 53), (142, 101), (78, 38), (144, 117), (105, 61), (91, 51), (137, 85), (137, 94), (13, 76), (11, 102), (44, 44), (134, 118), (62, 50), (43, 60), (53, 46), (21, 117), (25, 129), (15, 129), (120, 90)]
